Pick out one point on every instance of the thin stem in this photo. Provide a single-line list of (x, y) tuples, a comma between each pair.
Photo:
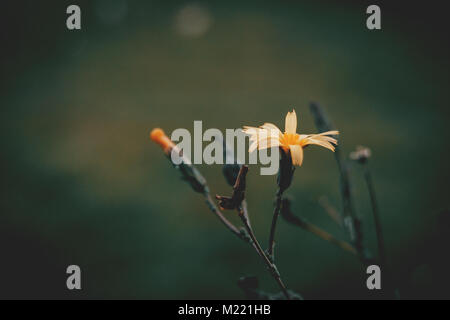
[(330, 210), (376, 215), (378, 230), (216, 211), (245, 211), (273, 270), (276, 213), (327, 236), (225, 221), (352, 224)]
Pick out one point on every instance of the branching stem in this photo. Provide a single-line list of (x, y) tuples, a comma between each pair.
[(270, 266), (212, 206)]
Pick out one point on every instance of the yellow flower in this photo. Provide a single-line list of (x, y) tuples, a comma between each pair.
[(268, 135)]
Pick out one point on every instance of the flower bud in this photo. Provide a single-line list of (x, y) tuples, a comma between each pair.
[(189, 173), (157, 135)]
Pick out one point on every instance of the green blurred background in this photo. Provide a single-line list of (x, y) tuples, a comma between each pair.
[(82, 183)]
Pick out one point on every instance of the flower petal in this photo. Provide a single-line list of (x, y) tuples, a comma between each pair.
[(263, 138), (268, 142), (270, 126), (329, 133), (250, 130), (296, 154), (253, 147), (324, 138), (290, 124), (325, 144)]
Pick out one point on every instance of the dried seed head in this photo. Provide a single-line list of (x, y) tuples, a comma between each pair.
[(361, 154)]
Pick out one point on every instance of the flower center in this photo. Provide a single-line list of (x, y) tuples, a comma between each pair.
[(287, 139)]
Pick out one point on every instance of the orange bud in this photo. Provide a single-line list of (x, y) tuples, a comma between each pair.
[(158, 136)]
